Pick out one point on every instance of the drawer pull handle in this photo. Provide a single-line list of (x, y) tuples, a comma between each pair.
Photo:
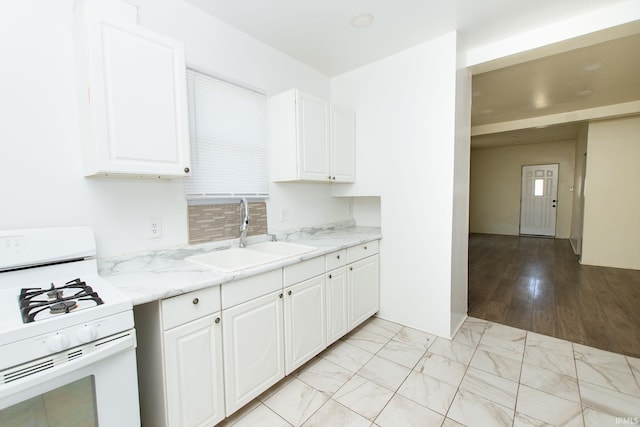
[(217, 320), (195, 301), (289, 293)]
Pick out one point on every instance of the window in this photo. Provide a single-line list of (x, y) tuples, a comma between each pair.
[(228, 132), (538, 187)]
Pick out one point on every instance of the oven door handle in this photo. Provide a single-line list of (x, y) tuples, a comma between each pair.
[(14, 392)]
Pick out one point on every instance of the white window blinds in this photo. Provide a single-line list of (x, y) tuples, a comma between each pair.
[(228, 132)]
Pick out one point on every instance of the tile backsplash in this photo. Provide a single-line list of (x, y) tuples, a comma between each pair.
[(209, 223)]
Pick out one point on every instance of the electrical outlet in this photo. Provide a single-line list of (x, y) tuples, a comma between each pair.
[(154, 228), (283, 214)]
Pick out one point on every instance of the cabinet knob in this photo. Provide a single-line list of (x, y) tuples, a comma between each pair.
[(365, 248), (195, 301), (186, 170), (280, 295), (217, 320), (330, 276), (338, 256), (329, 177), (289, 293), (333, 178), (351, 268)]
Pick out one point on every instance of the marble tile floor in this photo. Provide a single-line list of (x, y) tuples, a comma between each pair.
[(384, 374)]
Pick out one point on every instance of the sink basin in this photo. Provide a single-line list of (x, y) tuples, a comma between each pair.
[(232, 259), (281, 249)]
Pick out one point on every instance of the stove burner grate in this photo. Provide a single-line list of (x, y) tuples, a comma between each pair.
[(31, 303)]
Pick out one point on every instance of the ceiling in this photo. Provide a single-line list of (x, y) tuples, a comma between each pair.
[(599, 75), (602, 74), (320, 34)]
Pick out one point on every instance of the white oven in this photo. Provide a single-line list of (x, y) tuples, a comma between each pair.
[(67, 341)]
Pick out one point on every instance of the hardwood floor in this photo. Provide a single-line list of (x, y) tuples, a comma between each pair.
[(537, 284)]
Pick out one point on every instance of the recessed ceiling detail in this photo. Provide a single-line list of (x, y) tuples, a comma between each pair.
[(564, 132), (593, 67), (364, 20)]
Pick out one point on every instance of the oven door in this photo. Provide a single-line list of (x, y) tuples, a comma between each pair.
[(97, 387)]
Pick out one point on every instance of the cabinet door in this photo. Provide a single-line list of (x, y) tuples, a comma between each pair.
[(304, 322), (363, 280), (313, 138), (343, 145), (337, 297), (193, 371), (253, 349), (136, 94)]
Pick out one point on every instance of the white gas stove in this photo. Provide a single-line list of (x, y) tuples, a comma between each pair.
[(59, 318)]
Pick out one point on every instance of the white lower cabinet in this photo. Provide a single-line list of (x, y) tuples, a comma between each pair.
[(179, 356), (205, 354), (193, 368), (304, 322), (253, 349), (363, 282), (337, 297)]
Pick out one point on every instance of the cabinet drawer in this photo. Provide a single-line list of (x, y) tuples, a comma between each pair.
[(187, 307), (239, 291), (363, 250), (302, 271), (335, 260)]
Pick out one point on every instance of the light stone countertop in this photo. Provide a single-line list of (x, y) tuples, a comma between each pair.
[(154, 275)]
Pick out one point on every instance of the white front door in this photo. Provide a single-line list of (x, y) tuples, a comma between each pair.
[(539, 200)]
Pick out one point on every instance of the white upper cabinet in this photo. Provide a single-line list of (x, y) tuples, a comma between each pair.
[(313, 138), (343, 145), (309, 140), (133, 98)]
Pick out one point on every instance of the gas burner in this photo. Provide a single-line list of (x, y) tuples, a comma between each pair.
[(59, 300), (62, 307), (54, 293)]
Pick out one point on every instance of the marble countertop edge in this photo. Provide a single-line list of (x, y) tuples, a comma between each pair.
[(153, 275)]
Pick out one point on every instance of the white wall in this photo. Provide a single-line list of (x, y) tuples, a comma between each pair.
[(496, 181), (40, 154), (405, 130), (577, 212), (611, 231), (460, 231), (366, 211)]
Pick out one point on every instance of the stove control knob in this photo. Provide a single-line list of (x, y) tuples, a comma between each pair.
[(57, 342), (87, 333)]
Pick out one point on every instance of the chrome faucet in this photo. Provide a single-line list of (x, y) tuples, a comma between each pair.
[(244, 221)]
